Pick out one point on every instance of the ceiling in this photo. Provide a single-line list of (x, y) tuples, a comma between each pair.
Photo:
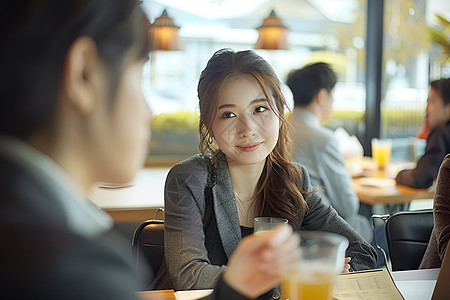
[(297, 15)]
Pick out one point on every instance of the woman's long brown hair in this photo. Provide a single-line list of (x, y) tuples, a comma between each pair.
[(277, 193)]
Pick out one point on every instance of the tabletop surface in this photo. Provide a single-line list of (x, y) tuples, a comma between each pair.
[(157, 295), (413, 284), (139, 200), (146, 190), (134, 202), (378, 186)]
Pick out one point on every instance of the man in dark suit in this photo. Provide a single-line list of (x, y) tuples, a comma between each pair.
[(72, 114)]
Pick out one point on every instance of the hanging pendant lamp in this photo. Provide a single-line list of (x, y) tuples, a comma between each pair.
[(272, 34), (165, 33)]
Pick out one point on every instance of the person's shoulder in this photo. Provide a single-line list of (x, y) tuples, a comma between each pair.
[(194, 167), (319, 136), (58, 262), (446, 162), (98, 266), (197, 162), (305, 179), (299, 166), (441, 132)]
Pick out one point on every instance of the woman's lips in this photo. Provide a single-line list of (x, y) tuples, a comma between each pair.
[(249, 147)]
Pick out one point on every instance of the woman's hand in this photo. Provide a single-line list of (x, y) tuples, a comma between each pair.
[(347, 266), (257, 263)]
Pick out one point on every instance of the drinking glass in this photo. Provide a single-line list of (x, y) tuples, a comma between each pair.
[(381, 151), (321, 260), (267, 223)]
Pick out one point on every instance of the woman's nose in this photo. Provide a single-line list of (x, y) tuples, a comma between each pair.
[(246, 127)]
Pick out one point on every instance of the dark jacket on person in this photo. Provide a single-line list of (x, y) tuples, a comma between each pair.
[(438, 145), (441, 212), (43, 257)]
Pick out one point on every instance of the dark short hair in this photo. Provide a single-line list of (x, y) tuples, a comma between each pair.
[(38, 35), (306, 82), (443, 87)]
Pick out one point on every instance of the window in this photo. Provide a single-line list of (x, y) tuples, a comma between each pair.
[(319, 30)]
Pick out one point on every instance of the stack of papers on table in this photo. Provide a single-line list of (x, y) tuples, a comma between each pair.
[(370, 284)]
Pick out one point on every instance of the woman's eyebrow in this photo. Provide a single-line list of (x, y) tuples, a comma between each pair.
[(226, 106), (258, 100)]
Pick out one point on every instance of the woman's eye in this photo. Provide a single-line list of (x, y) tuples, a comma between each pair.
[(228, 115), (260, 109)]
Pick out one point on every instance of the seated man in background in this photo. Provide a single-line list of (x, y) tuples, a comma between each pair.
[(437, 120), (73, 114), (316, 146), (441, 213)]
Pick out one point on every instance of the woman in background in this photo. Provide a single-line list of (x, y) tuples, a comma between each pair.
[(437, 121), (244, 171)]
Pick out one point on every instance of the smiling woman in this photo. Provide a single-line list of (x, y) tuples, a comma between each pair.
[(244, 171), (245, 122)]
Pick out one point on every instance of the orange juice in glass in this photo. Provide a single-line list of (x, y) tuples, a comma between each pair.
[(321, 260), (263, 224), (302, 285), (381, 152)]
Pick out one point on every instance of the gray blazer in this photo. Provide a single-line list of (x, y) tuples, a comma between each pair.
[(195, 260), (317, 149)]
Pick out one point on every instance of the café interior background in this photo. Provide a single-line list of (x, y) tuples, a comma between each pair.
[(333, 31)]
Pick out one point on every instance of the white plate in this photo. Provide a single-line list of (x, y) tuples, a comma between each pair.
[(377, 182)]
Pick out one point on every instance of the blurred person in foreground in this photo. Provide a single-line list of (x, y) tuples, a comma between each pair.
[(72, 114), (440, 235), (316, 146), (437, 122)]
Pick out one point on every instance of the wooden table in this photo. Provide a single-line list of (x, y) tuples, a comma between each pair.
[(135, 202), (140, 200), (389, 192), (157, 295), (410, 283)]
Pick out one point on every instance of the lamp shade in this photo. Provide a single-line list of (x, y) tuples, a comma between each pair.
[(272, 34), (165, 33)]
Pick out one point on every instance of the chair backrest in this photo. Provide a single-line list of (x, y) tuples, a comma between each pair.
[(148, 245), (407, 234)]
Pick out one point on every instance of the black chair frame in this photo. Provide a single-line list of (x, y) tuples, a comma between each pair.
[(407, 234), (148, 244)]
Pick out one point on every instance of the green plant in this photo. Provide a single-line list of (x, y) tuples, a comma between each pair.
[(440, 34), (348, 114), (178, 122), (402, 118)]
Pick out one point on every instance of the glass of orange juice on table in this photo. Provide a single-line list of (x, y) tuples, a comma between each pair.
[(321, 260), (381, 151), (262, 224)]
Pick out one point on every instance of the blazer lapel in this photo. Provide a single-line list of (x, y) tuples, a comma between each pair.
[(225, 208)]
